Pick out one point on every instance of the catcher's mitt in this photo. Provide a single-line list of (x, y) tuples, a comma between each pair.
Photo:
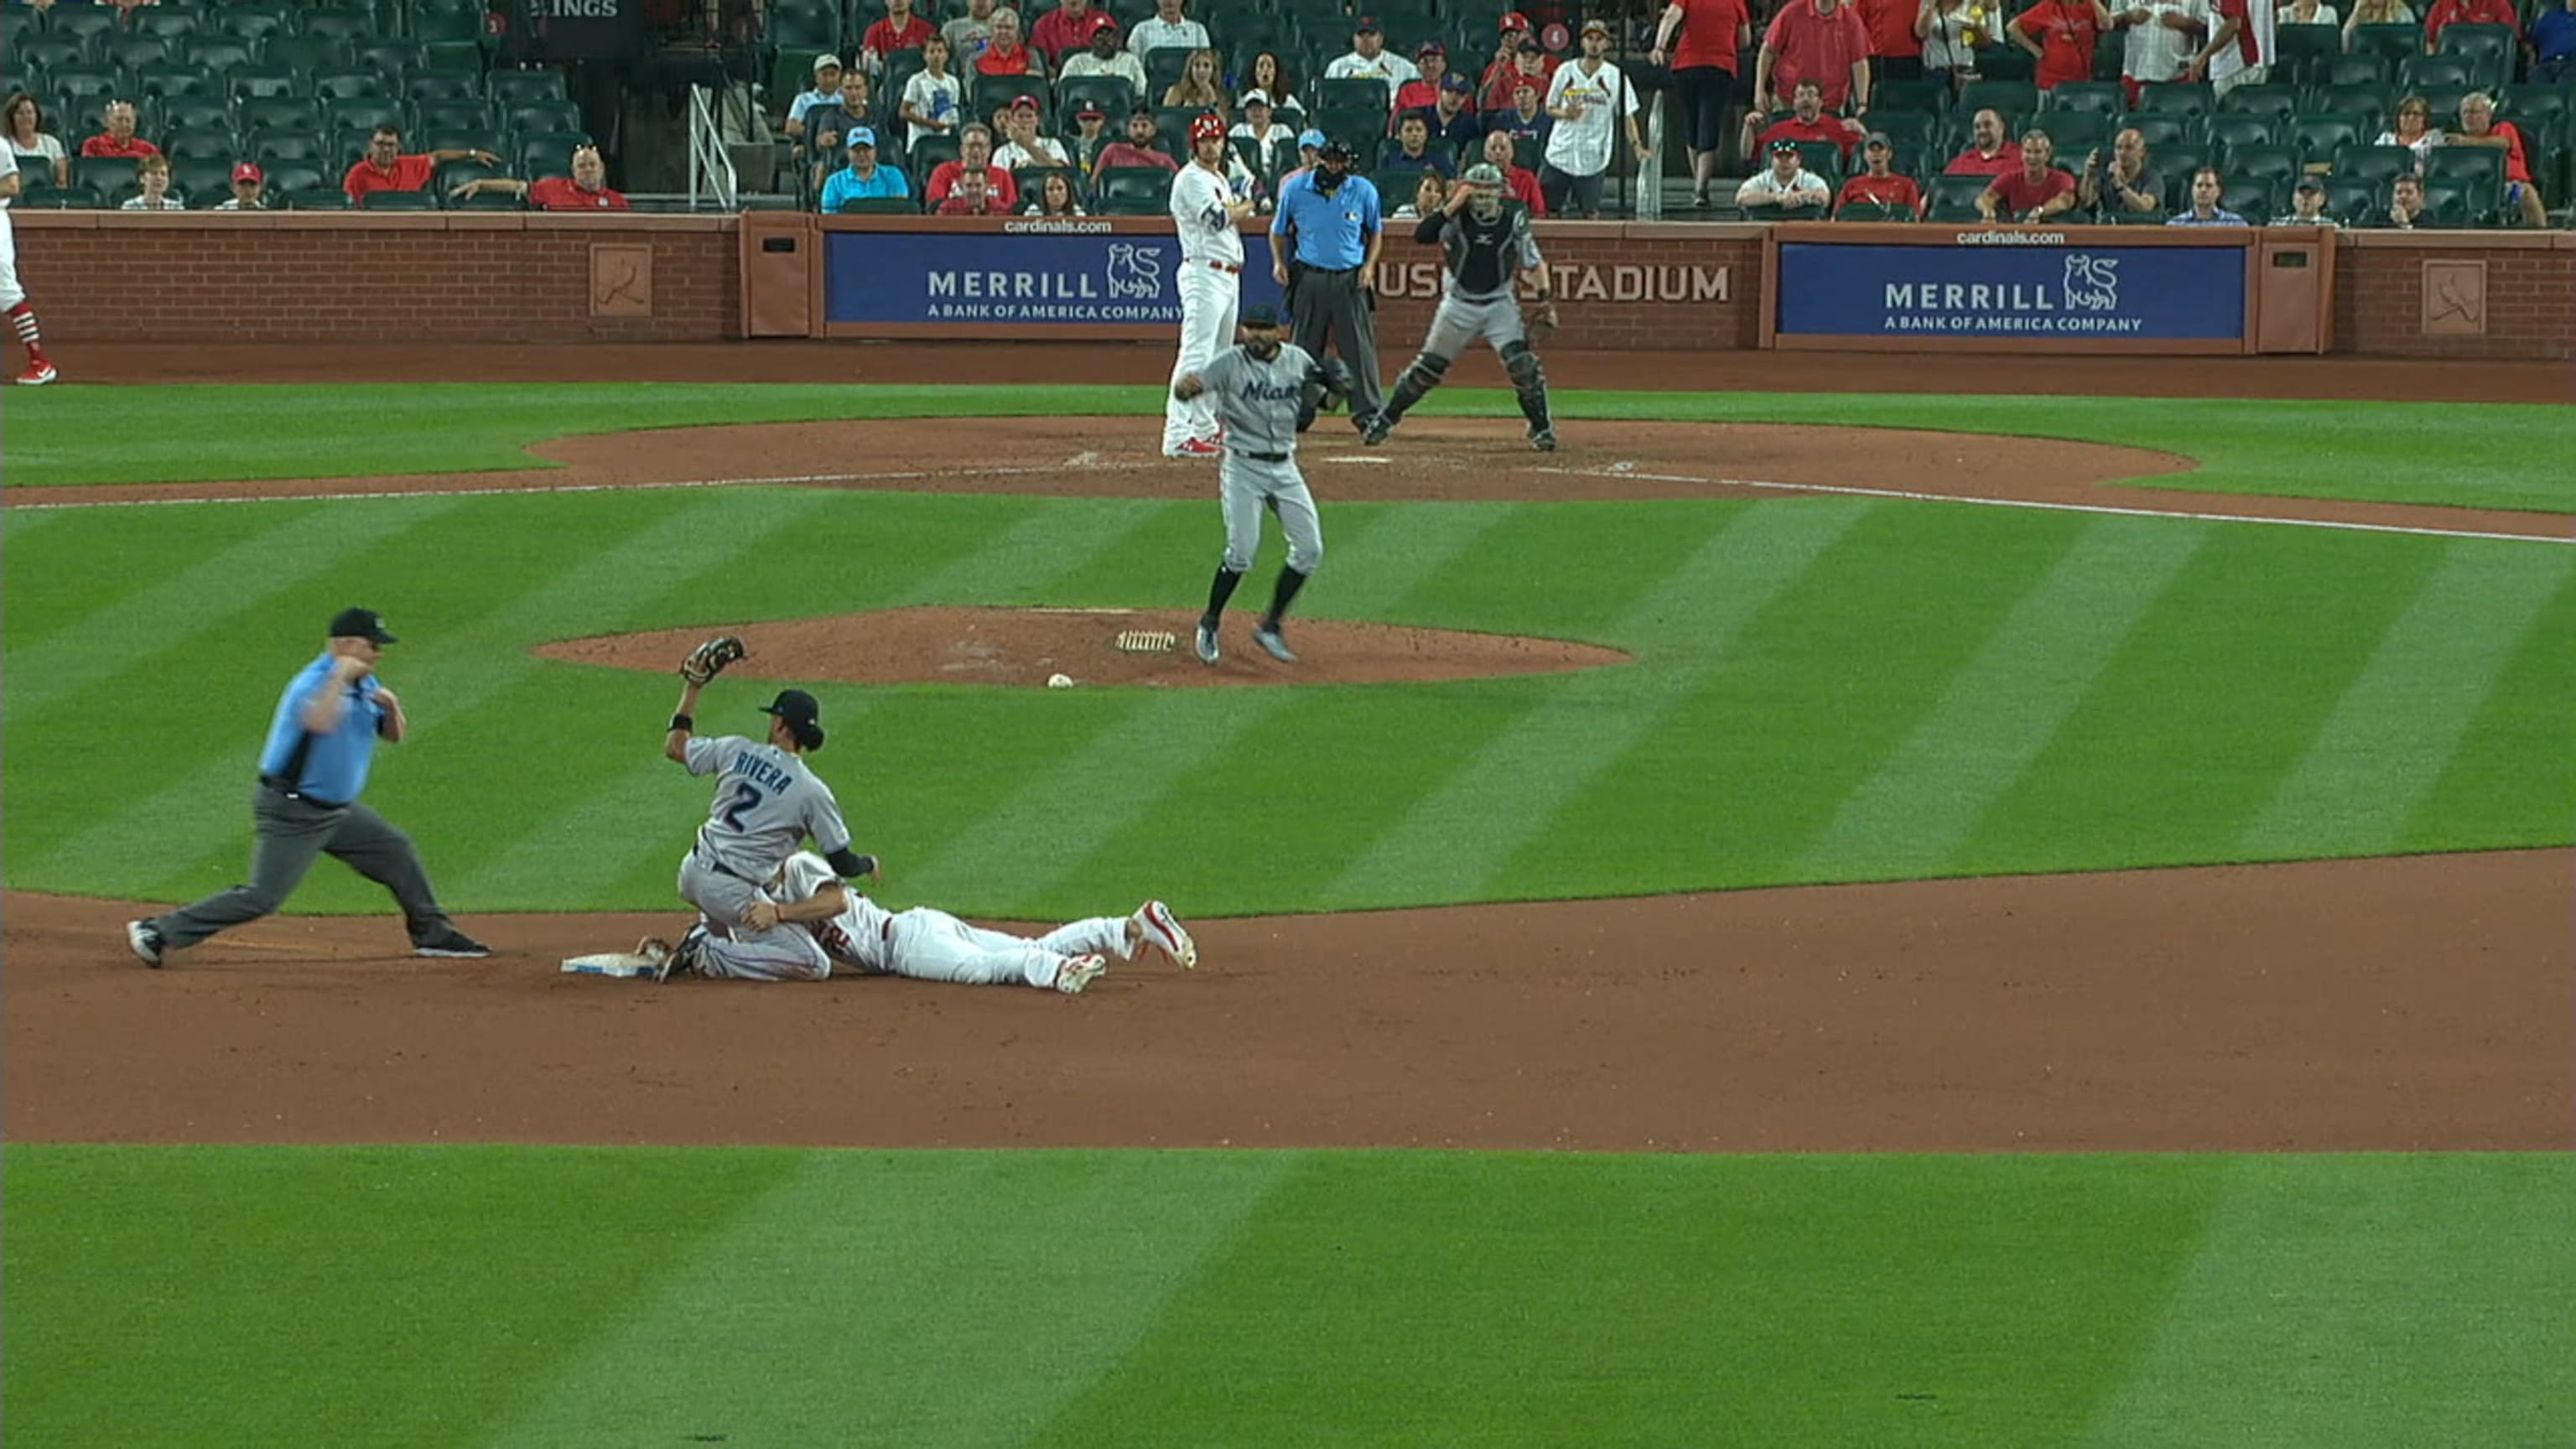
[(709, 659), (1335, 377), (1542, 322)]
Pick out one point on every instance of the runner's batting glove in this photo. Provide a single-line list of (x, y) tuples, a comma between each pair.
[(709, 659)]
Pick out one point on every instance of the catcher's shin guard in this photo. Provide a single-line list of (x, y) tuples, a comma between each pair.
[(1529, 380), (1420, 377)]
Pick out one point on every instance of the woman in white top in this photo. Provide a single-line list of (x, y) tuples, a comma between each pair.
[(2307, 12), (32, 143), (1948, 38), (2376, 12), (2414, 130), (1430, 194), (933, 97), (153, 175)]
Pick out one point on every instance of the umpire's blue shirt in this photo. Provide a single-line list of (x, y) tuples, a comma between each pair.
[(330, 768), (1332, 231)]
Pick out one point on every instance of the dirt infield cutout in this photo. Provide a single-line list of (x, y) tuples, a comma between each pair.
[(1024, 647)]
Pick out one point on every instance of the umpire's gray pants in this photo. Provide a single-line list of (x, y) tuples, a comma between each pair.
[(1332, 305), (288, 832)]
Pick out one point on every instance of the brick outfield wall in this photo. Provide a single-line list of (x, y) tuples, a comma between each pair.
[(472, 277)]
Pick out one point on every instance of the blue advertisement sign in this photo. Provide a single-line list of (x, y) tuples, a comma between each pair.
[(2039, 286), (1032, 274)]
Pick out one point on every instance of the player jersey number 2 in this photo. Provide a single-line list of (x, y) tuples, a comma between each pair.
[(745, 799)]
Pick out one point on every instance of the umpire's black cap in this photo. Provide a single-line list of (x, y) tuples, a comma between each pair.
[(1334, 149), (1261, 315), (360, 624)]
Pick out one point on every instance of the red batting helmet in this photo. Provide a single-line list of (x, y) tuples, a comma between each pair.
[(1208, 127)]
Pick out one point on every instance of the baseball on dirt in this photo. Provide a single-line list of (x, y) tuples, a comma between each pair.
[(1059, 681)]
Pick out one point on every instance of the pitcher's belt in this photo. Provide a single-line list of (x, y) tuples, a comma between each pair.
[(1260, 457)]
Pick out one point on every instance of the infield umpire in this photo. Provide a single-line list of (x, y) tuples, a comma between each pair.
[(1324, 240)]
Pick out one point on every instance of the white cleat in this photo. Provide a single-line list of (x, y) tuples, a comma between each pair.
[(1167, 934), (1080, 972), (1209, 651)]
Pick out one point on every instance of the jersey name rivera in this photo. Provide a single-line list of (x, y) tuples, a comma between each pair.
[(751, 766)]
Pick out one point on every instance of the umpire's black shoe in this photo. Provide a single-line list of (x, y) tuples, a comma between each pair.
[(453, 943)]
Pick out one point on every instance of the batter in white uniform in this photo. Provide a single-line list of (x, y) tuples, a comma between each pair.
[(13, 298), (767, 802), (1205, 206), (1260, 389), (859, 937)]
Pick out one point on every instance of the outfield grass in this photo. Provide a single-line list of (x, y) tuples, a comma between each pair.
[(1826, 690), (497, 1296), (2480, 455)]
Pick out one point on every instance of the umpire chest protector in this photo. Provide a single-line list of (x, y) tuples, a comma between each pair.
[(1481, 253)]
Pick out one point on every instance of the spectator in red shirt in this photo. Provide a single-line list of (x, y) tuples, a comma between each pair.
[(2446, 13), (1519, 182), (585, 190), (1712, 35), (2036, 192), (1895, 51), (2061, 34), (2479, 127), (387, 168), (1988, 153), (1065, 28), (1819, 40), (118, 141), (975, 154), (1138, 149), (1807, 121), (1430, 63), (1878, 184), (972, 196), (1006, 53), (1531, 66), (900, 30)]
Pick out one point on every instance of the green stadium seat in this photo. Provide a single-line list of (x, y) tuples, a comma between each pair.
[(286, 176), (44, 52), (2354, 70), (170, 22), (2257, 199), (83, 22), (178, 80), (1113, 95), (2318, 134), (201, 181), (2350, 201), (430, 87), (283, 147), (523, 87), (364, 113), (2373, 165), (454, 116), (2280, 101), (314, 198), (461, 57), (2477, 170), (547, 154), (398, 201), (1354, 96), (2455, 204), (309, 53), (992, 92), (1163, 68), (340, 23), (2174, 165), (2282, 165), (2178, 98), (183, 115), (1954, 198), (2370, 102), (253, 24), (2072, 132), (102, 174), (1917, 129), (2231, 129), (434, 21), (880, 206), (2489, 50), (131, 52), (1396, 184), (74, 197), (396, 57), (2012, 97), (268, 82), (2302, 48), (342, 85), (278, 113), (79, 91), (2445, 100), (1133, 190), (2392, 42), (2159, 128), (475, 137), (2000, 63), (1872, 211), (1932, 96), (537, 116), (2104, 97), (2427, 73)]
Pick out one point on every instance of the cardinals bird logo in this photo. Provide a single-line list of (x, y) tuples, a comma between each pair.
[(2092, 283), (1135, 271)]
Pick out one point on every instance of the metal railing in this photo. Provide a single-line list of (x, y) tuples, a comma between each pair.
[(711, 172)]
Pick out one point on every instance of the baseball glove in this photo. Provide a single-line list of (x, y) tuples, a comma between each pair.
[(1542, 323), (1335, 376), (709, 659)]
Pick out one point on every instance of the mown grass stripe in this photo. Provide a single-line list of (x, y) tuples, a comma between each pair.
[(2512, 779), (448, 675), (931, 1301), (2361, 1302), (212, 592), (2005, 706), (2395, 729), (1455, 839)]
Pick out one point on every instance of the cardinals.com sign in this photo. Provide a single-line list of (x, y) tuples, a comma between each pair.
[(2056, 288), (1020, 277)]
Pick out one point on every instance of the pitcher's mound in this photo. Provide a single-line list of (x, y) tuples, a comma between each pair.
[(1026, 646)]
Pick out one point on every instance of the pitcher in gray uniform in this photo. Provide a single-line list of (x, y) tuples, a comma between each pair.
[(1262, 387), (767, 802), (1485, 243)]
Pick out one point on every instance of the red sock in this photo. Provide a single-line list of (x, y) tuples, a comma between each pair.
[(23, 317)]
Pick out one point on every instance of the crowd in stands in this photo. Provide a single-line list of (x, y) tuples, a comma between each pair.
[(142, 105), (1953, 110)]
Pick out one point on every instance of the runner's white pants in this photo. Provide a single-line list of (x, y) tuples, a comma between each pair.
[(933, 945), (1209, 301), (10, 292)]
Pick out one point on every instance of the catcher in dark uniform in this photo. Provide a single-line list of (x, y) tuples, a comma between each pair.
[(1487, 247)]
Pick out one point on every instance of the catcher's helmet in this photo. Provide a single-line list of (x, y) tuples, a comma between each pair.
[(1208, 126), (1484, 182)]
